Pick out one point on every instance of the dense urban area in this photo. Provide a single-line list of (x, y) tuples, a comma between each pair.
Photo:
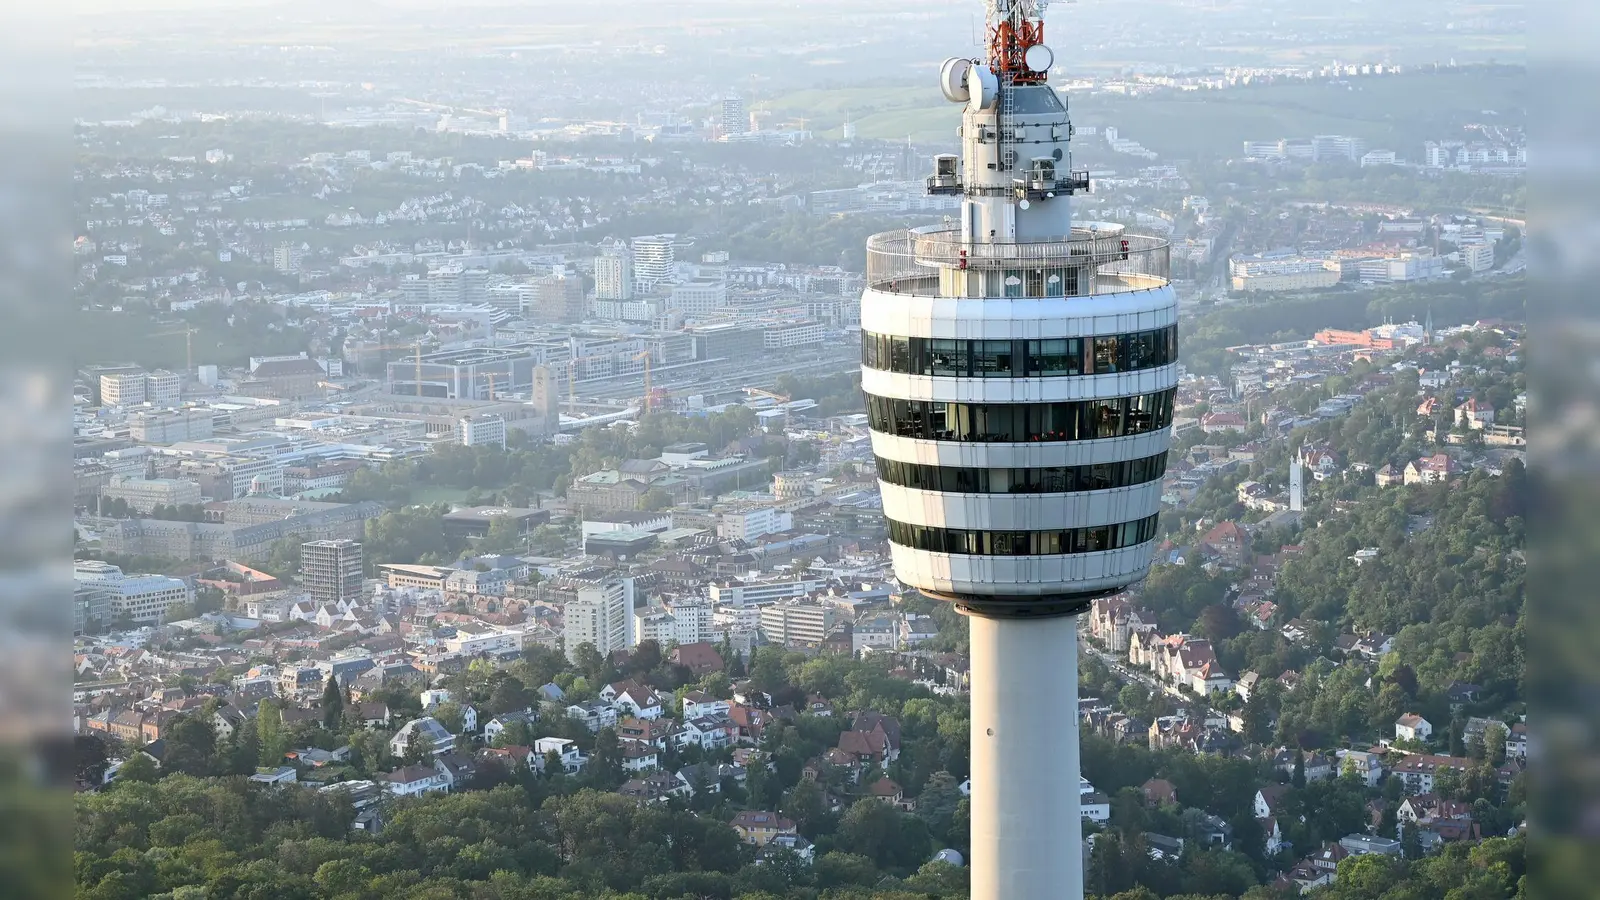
[(474, 494)]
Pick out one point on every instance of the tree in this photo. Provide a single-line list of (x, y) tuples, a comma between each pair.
[(1494, 744), (90, 756), (332, 703), (503, 536), (606, 763), (510, 695), (270, 733), (655, 499), (449, 714), (138, 768), (419, 748), (1299, 778)]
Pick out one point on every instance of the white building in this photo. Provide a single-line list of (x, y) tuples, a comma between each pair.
[(141, 598), (122, 389), (747, 593), (692, 621), (753, 522), (469, 642), (600, 616), (1477, 257), (482, 430), (613, 274), (795, 623), (734, 118), (654, 259), (654, 624)]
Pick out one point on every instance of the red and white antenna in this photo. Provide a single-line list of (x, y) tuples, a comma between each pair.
[(1017, 53)]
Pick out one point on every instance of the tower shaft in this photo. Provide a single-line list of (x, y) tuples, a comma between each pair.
[(1027, 842)]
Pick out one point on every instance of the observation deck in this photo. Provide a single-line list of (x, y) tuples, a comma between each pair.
[(1094, 260)]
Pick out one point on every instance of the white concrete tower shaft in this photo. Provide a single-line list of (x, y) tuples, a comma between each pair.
[(1027, 842)]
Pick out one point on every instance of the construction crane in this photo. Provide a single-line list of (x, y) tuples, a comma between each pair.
[(188, 345), (770, 395), (416, 350), (648, 399)]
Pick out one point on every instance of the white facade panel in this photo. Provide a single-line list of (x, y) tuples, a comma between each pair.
[(1021, 512)]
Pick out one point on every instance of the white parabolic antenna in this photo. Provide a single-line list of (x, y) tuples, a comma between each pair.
[(1038, 58), (953, 79), (982, 87)]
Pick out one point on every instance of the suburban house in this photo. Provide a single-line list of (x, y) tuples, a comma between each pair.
[(572, 759), (594, 715), (632, 699), (699, 703), (1158, 792), (413, 780), (1412, 727), (760, 827), (435, 733), (1417, 770), (496, 727)]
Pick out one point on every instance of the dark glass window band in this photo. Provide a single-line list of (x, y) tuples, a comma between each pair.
[(962, 541), (1042, 480), (991, 423), (1021, 359)]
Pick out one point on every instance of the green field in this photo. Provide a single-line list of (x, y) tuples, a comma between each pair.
[(438, 494), (1399, 111)]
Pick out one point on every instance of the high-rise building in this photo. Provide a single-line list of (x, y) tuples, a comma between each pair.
[(286, 258), (734, 118), (330, 571), (601, 615), (1020, 372), (557, 297), (654, 259), (613, 273)]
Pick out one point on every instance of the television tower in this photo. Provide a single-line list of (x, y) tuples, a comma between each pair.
[(1019, 372)]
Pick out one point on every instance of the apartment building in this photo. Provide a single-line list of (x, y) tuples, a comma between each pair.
[(601, 615), (796, 623), (331, 570)]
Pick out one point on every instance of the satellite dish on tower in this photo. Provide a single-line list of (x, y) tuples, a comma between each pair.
[(953, 79), (982, 87), (1038, 58)]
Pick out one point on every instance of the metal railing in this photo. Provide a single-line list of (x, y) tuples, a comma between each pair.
[(1111, 261)]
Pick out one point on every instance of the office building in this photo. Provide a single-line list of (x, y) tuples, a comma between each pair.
[(752, 522), (122, 388), (1020, 372), (482, 430), (601, 616), (734, 118), (613, 273), (139, 599), (91, 607), (796, 623), (330, 571), (557, 297), (655, 260)]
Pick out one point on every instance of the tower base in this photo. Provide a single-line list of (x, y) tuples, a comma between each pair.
[(1027, 833)]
